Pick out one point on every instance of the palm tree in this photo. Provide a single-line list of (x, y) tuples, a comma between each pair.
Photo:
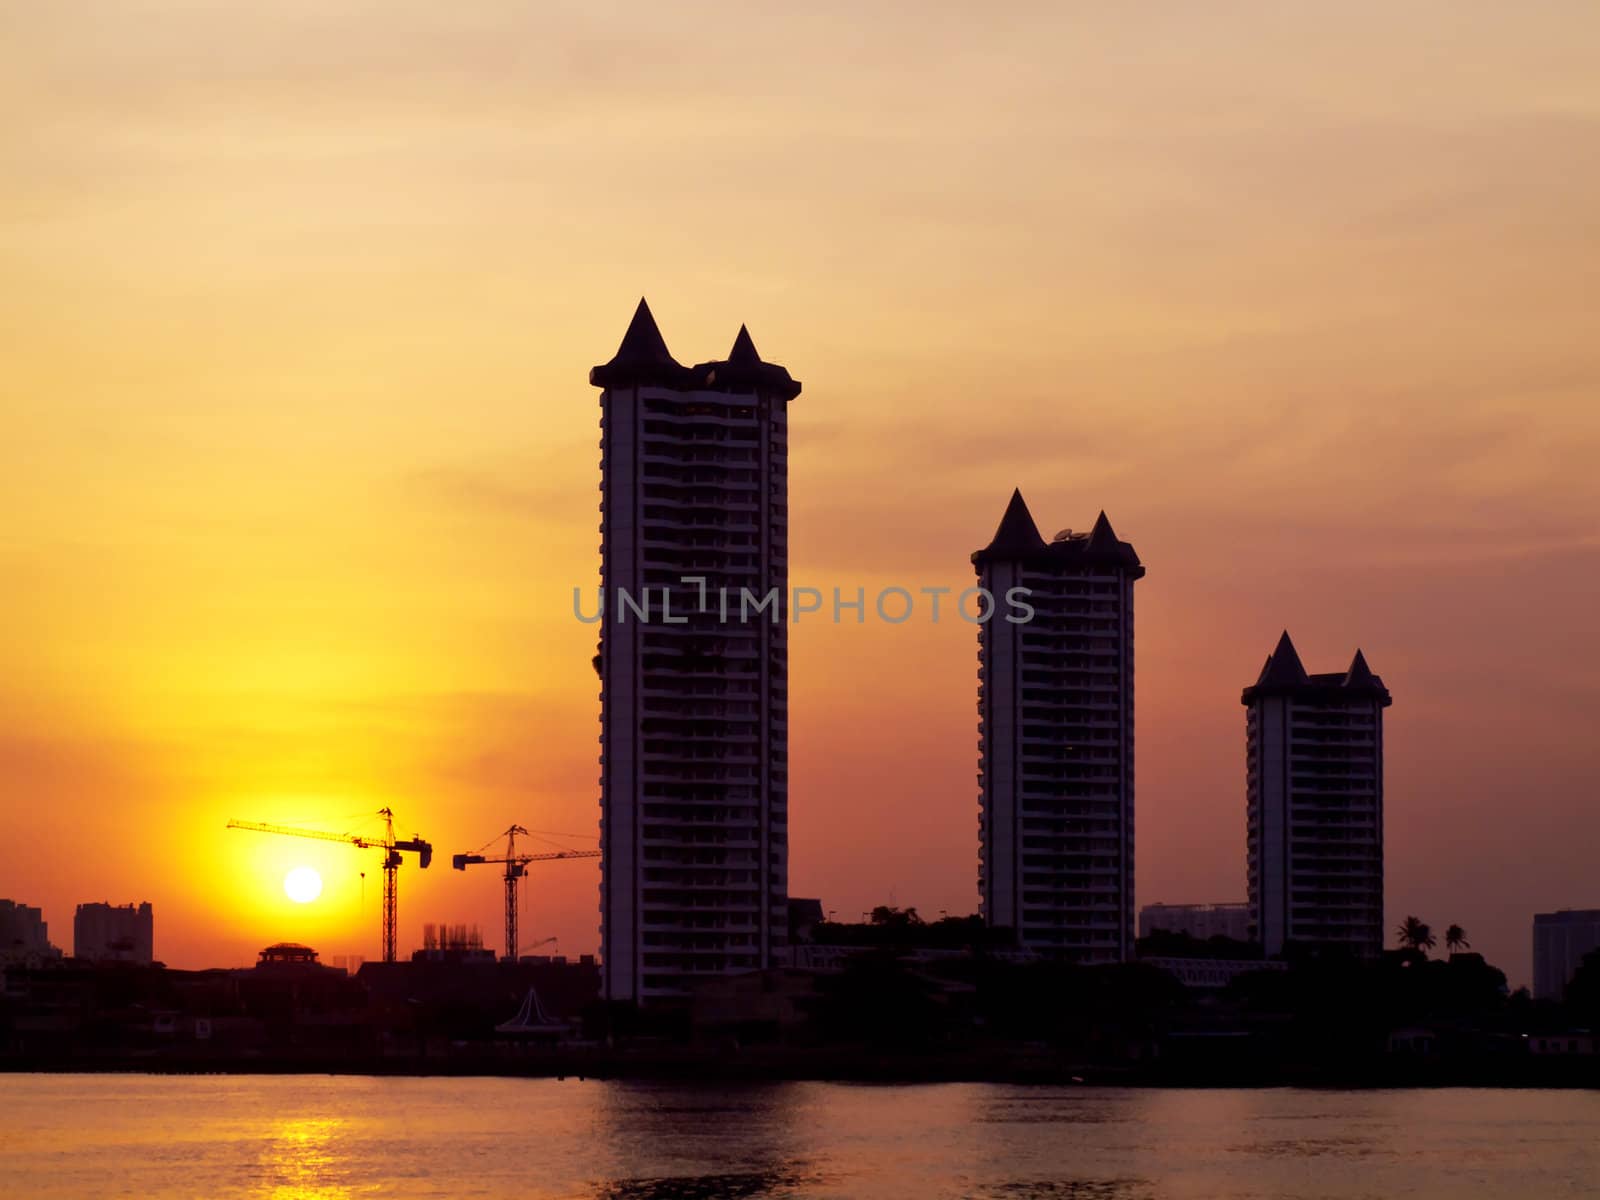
[(1416, 935), (1455, 938)]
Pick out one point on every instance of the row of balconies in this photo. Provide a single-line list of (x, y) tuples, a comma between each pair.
[(699, 670), (741, 452), (719, 925), (1364, 847), (1339, 765), (680, 793), (1042, 890), (721, 751), (1057, 769), (1346, 903), (1071, 707), (662, 525), (1312, 836), (1323, 715), (712, 818), (1313, 816), (1060, 589), (708, 876), (1342, 866), (735, 706), (1088, 847), (671, 900), (708, 519), (680, 409), (1352, 840), (1332, 739), (724, 552), (661, 480), (707, 430), (675, 901), (1048, 910), (725, 724), (1309, 791), (685, 854), (1105, 803), (733, 846), (675, 474)]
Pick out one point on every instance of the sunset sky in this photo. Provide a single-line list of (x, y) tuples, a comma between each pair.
[(299, 462)]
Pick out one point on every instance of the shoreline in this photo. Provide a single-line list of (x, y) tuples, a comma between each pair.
[(844, 1069)]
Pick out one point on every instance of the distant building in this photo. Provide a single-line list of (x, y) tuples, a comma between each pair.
[(24, 935), (114, 933), (1211, 972), (694, 665), (804, 916), (1560, 940), (291, 958), (1315, 805), (1197, 920), (755, 1006), (1413, 1041), (1055, 739), (452, 943), (465, 996)]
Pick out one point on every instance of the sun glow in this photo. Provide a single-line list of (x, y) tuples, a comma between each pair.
[(302, 885)]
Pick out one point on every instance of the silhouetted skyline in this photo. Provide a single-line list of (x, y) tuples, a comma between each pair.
[(299, 463)]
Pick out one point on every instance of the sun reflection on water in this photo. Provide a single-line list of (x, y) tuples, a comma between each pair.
[(300, 1163)]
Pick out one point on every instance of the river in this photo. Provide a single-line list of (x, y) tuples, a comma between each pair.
[(87, 1137)]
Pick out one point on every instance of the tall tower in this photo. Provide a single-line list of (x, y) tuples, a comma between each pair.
[(1314, 787), (1055, 739), (694, 677)]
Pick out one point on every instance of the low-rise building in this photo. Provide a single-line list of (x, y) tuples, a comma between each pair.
[(1200, 921), (24, 936), (1212, 972), (114, 933), (1580, 1042)]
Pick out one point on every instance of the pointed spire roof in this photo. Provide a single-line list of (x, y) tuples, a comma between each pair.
[(745, 371), (1103, 545), (1284, 668), (1016, 537), (743, 353), (643, 341), (642, 358), (1284, 673), (1360, 677), (1102, 539)]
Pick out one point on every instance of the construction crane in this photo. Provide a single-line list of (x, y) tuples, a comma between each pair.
[(516, 867), (391, 860)]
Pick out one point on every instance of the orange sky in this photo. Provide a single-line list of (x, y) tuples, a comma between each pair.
[(298, 460)]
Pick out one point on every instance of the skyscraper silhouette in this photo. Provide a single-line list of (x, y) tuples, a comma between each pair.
[(694, 678), (1314, 783), (1055, 753)]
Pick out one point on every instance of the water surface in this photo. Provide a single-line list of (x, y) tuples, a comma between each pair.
[(76, 1137)]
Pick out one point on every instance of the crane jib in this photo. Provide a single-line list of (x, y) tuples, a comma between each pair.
[(391, 862), (516, 867)]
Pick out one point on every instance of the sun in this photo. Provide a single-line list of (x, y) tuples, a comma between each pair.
[(302, 885)]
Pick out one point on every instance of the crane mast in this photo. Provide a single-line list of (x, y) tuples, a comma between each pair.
[(516, 866), (391, 848)]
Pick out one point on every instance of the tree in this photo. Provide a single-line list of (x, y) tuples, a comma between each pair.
[(884, 914), (1416, 935), (1583, 991), (1455, 938)]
